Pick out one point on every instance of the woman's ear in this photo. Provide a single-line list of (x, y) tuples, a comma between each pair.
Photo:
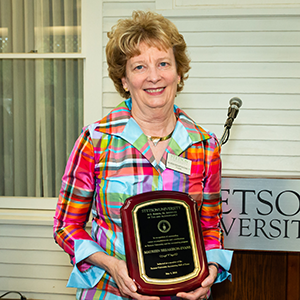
[(124, 82)]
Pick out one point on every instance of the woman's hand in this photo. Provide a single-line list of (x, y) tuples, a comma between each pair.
[(201, 292), (118, 270)]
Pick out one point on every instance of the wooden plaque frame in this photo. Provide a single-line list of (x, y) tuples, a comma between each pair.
[(163, 240)]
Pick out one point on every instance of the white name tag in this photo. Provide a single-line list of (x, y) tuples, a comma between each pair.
[(179, 164)]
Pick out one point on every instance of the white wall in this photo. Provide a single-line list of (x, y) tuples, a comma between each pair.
[(249, 52), (30, 261)]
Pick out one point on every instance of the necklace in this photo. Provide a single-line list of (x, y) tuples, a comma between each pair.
[(156, 139)]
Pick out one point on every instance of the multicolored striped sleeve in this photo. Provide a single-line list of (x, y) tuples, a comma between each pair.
[(211, 211), (76, 195)]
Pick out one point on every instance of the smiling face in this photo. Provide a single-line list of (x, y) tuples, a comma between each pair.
[(152, 79)]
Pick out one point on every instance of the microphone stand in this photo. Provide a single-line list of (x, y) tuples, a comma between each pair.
[(233, 110), (225, 136)]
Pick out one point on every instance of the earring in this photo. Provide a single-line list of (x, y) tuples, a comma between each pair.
[(178, 81), (126, 89)]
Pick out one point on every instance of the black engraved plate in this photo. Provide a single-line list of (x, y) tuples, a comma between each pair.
[(164, 240)]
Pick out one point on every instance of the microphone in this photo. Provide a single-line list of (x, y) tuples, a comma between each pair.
[(233, 110)]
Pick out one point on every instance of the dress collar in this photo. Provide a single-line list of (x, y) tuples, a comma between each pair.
[(119, 122)]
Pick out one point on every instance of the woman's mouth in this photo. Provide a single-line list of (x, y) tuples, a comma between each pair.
[(152, 91)]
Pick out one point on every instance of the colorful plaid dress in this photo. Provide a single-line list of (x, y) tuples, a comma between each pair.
[(111, 161)]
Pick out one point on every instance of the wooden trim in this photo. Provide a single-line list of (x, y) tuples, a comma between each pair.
[(34, 203)]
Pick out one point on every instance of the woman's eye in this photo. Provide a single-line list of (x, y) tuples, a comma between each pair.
[(163, 64), (139, 67)]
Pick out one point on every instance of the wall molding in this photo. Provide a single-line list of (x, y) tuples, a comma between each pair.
[(171, 8)]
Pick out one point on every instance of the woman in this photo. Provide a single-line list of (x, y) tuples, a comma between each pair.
[(125, 154)]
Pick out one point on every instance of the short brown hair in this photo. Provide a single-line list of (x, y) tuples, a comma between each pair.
[(150, 28)]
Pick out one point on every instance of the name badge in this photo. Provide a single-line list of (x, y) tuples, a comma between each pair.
[(179, 164)]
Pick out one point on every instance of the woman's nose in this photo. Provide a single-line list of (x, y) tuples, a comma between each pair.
[(154, 74)]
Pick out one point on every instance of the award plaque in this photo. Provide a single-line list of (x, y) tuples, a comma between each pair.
[(163, 243)]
